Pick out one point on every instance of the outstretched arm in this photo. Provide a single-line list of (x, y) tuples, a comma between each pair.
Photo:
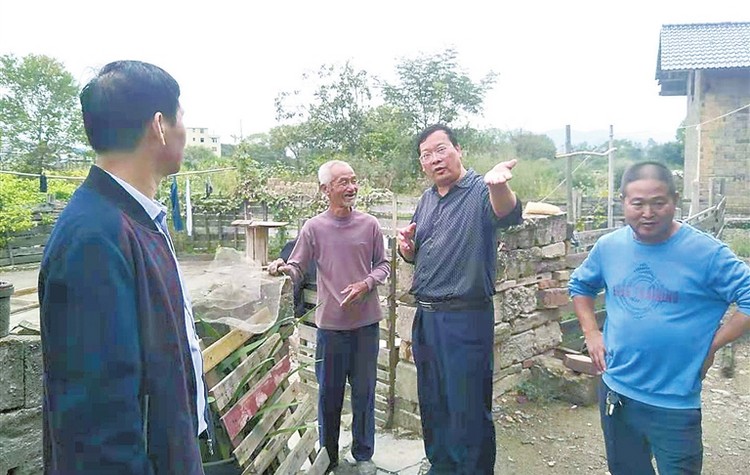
[(502, 198)]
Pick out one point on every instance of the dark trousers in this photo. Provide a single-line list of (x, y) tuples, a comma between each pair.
[(352, 355), (453, 352), (636, 430)]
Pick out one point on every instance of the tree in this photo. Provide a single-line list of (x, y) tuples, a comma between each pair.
[(335, 116), (40, 118), (197, 157), (432, 89), (528, 145)]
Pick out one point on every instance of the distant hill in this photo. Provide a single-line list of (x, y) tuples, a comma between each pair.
[(594, 137)]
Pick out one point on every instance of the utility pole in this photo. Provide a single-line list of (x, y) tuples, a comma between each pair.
[(569, 177), (611, 179)]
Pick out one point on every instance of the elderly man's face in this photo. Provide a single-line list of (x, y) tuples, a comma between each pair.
[(649, 210), (440, 159), (343, 188)]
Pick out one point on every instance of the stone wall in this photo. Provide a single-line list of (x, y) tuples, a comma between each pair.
[(532, 274), (20, 405)]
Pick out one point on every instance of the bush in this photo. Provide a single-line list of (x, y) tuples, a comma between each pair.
[(17, 199)]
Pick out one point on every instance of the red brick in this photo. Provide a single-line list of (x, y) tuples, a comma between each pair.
[(548, 284), (552, 298)]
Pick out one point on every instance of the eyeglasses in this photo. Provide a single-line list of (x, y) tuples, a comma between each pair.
[(440, 152)]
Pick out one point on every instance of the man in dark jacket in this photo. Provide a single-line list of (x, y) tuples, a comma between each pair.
[(123, 386)]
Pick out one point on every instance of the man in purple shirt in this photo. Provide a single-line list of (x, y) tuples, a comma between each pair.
[(348, 249)]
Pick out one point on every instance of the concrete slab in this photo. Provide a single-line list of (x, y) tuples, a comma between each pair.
[(395, 455)]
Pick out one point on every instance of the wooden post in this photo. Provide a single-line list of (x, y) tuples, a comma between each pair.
[(256, 238), (569, 177), (392, 350), (611, 180), (221, 230), (208, 232), (395, 219)]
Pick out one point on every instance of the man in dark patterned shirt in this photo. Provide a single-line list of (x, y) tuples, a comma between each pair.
[(452, 241)]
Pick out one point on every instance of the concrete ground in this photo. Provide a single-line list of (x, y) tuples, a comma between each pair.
[(395, 453)]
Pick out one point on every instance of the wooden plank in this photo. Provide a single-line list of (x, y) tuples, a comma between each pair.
[(383, 376), (239, 415), (580, 364), (268, 453), (226, 388), (216, 353), (299, 453), (307, 333), (308, 374), (15, 261), (27, 251), (258, 434), (29, 241), (320, 466), (310, 296), (572, 325)]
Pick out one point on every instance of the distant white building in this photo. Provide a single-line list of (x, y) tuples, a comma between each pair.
[(199, 136)]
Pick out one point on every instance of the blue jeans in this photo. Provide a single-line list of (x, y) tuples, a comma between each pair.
[(352, 355), (636, 430), (453, 352)]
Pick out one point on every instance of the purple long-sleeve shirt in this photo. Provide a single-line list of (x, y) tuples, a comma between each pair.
[(346, 250)]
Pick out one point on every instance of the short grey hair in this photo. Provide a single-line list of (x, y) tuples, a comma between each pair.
[(324, 172)]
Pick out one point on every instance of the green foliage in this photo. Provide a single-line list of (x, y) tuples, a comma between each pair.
[(434, 89), (40, 119), (536, 392), (17, 198), (334, 119), (198, 158), (532, 146), (740, 244)]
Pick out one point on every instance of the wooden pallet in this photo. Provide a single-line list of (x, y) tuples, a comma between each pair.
[(267, 422)]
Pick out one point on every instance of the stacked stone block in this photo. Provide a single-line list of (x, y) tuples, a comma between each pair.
[(21, 405)]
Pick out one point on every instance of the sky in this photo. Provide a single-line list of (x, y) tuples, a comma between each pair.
[(580, 62)]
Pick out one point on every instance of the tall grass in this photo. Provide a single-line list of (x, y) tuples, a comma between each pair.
[(532, 179)]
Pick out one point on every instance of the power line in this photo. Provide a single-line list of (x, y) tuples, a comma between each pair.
[(715, 118)]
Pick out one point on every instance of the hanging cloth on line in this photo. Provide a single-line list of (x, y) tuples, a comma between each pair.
[(209, 187), (174, 198), (188, 208)]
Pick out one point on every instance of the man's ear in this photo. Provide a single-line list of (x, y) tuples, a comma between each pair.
[(157, 127)]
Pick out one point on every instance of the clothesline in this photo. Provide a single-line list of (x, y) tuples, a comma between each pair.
[(80, 178), (38, 175)]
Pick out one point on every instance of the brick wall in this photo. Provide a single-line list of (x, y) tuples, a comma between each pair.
[(20, 405), (724, 143)]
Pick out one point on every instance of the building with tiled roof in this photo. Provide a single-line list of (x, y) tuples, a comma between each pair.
[(709, 63)]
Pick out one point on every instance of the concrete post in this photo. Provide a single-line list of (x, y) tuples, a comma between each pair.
[(6, 290)]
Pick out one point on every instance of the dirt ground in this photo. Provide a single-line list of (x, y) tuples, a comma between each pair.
[(559, 439)]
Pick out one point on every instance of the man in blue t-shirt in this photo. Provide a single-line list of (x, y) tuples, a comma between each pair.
[(667, 287)]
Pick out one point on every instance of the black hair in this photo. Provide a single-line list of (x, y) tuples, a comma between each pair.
[(431, 130), (120, 102), (645, 170)]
